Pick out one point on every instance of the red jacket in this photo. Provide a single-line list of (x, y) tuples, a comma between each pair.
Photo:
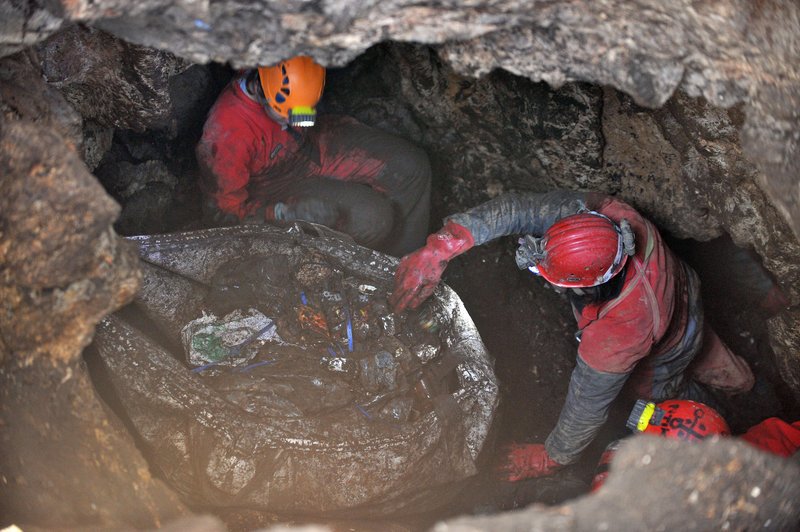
[(244, 155), (239, 141), (649, 316)]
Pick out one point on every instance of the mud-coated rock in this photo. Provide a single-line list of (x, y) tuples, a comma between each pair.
[(484, 135), (660, 484), (62, 266), (23, 95), (67, 461)]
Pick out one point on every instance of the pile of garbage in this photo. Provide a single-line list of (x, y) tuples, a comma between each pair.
[(279, 378), (294, 336)]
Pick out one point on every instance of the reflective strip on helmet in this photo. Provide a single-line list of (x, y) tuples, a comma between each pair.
[(644, 419)]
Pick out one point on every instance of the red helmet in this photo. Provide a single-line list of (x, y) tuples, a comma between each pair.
[(581, 250), (677, 418)]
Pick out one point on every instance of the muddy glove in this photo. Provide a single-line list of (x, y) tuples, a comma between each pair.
[(308, 209), (526, 460), (419, 272)]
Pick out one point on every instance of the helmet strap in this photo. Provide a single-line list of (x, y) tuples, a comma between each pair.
[(529, 253), (625, 244), (628, 238)]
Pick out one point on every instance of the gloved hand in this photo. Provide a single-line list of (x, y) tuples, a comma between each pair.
[(419, 272), (526, 460), (309, 209)]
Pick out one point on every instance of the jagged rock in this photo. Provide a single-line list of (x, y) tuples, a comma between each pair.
[(484, 136), (124, 179), (649, 170), (23, 95), (784, 335), (96, 142), (111, 82), (660, 484), (23, 24), (58, 246), (683, 165), (65, 461)]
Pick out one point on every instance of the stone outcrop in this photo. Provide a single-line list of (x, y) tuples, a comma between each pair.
[(65, 460), (713, 485)]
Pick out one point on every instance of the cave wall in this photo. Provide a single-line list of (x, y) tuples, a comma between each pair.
[(65, 461), (728, 52), (695, 125)]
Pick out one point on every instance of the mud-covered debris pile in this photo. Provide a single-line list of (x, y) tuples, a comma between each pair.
[(299, 339), (263, 368)]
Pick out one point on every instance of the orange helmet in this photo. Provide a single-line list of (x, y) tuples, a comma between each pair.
[(678, 419), (293, 87), (579, 251)]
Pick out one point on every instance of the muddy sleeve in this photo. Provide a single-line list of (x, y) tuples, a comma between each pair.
[(521, 213), (589, 398), (224, 155)]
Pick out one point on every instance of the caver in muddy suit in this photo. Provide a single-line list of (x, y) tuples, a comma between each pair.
[(260, 161), (638, 308)]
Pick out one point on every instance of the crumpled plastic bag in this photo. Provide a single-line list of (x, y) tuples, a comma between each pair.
[(229, 341)]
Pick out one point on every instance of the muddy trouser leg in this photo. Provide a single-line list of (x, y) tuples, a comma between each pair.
[(675, 372), (354, 152), (408, 181), (718, 367), (366, 215)]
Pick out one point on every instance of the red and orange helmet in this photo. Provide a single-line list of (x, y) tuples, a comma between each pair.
[(579, 251), (293, 87), (679, 419)]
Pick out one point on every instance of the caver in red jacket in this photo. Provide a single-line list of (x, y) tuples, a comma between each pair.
[(647, 328), (379, 183)]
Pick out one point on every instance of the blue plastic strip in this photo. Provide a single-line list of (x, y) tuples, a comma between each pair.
[(198, 369), (361, 409), (349, 331), (257, 364), (303, 298)]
